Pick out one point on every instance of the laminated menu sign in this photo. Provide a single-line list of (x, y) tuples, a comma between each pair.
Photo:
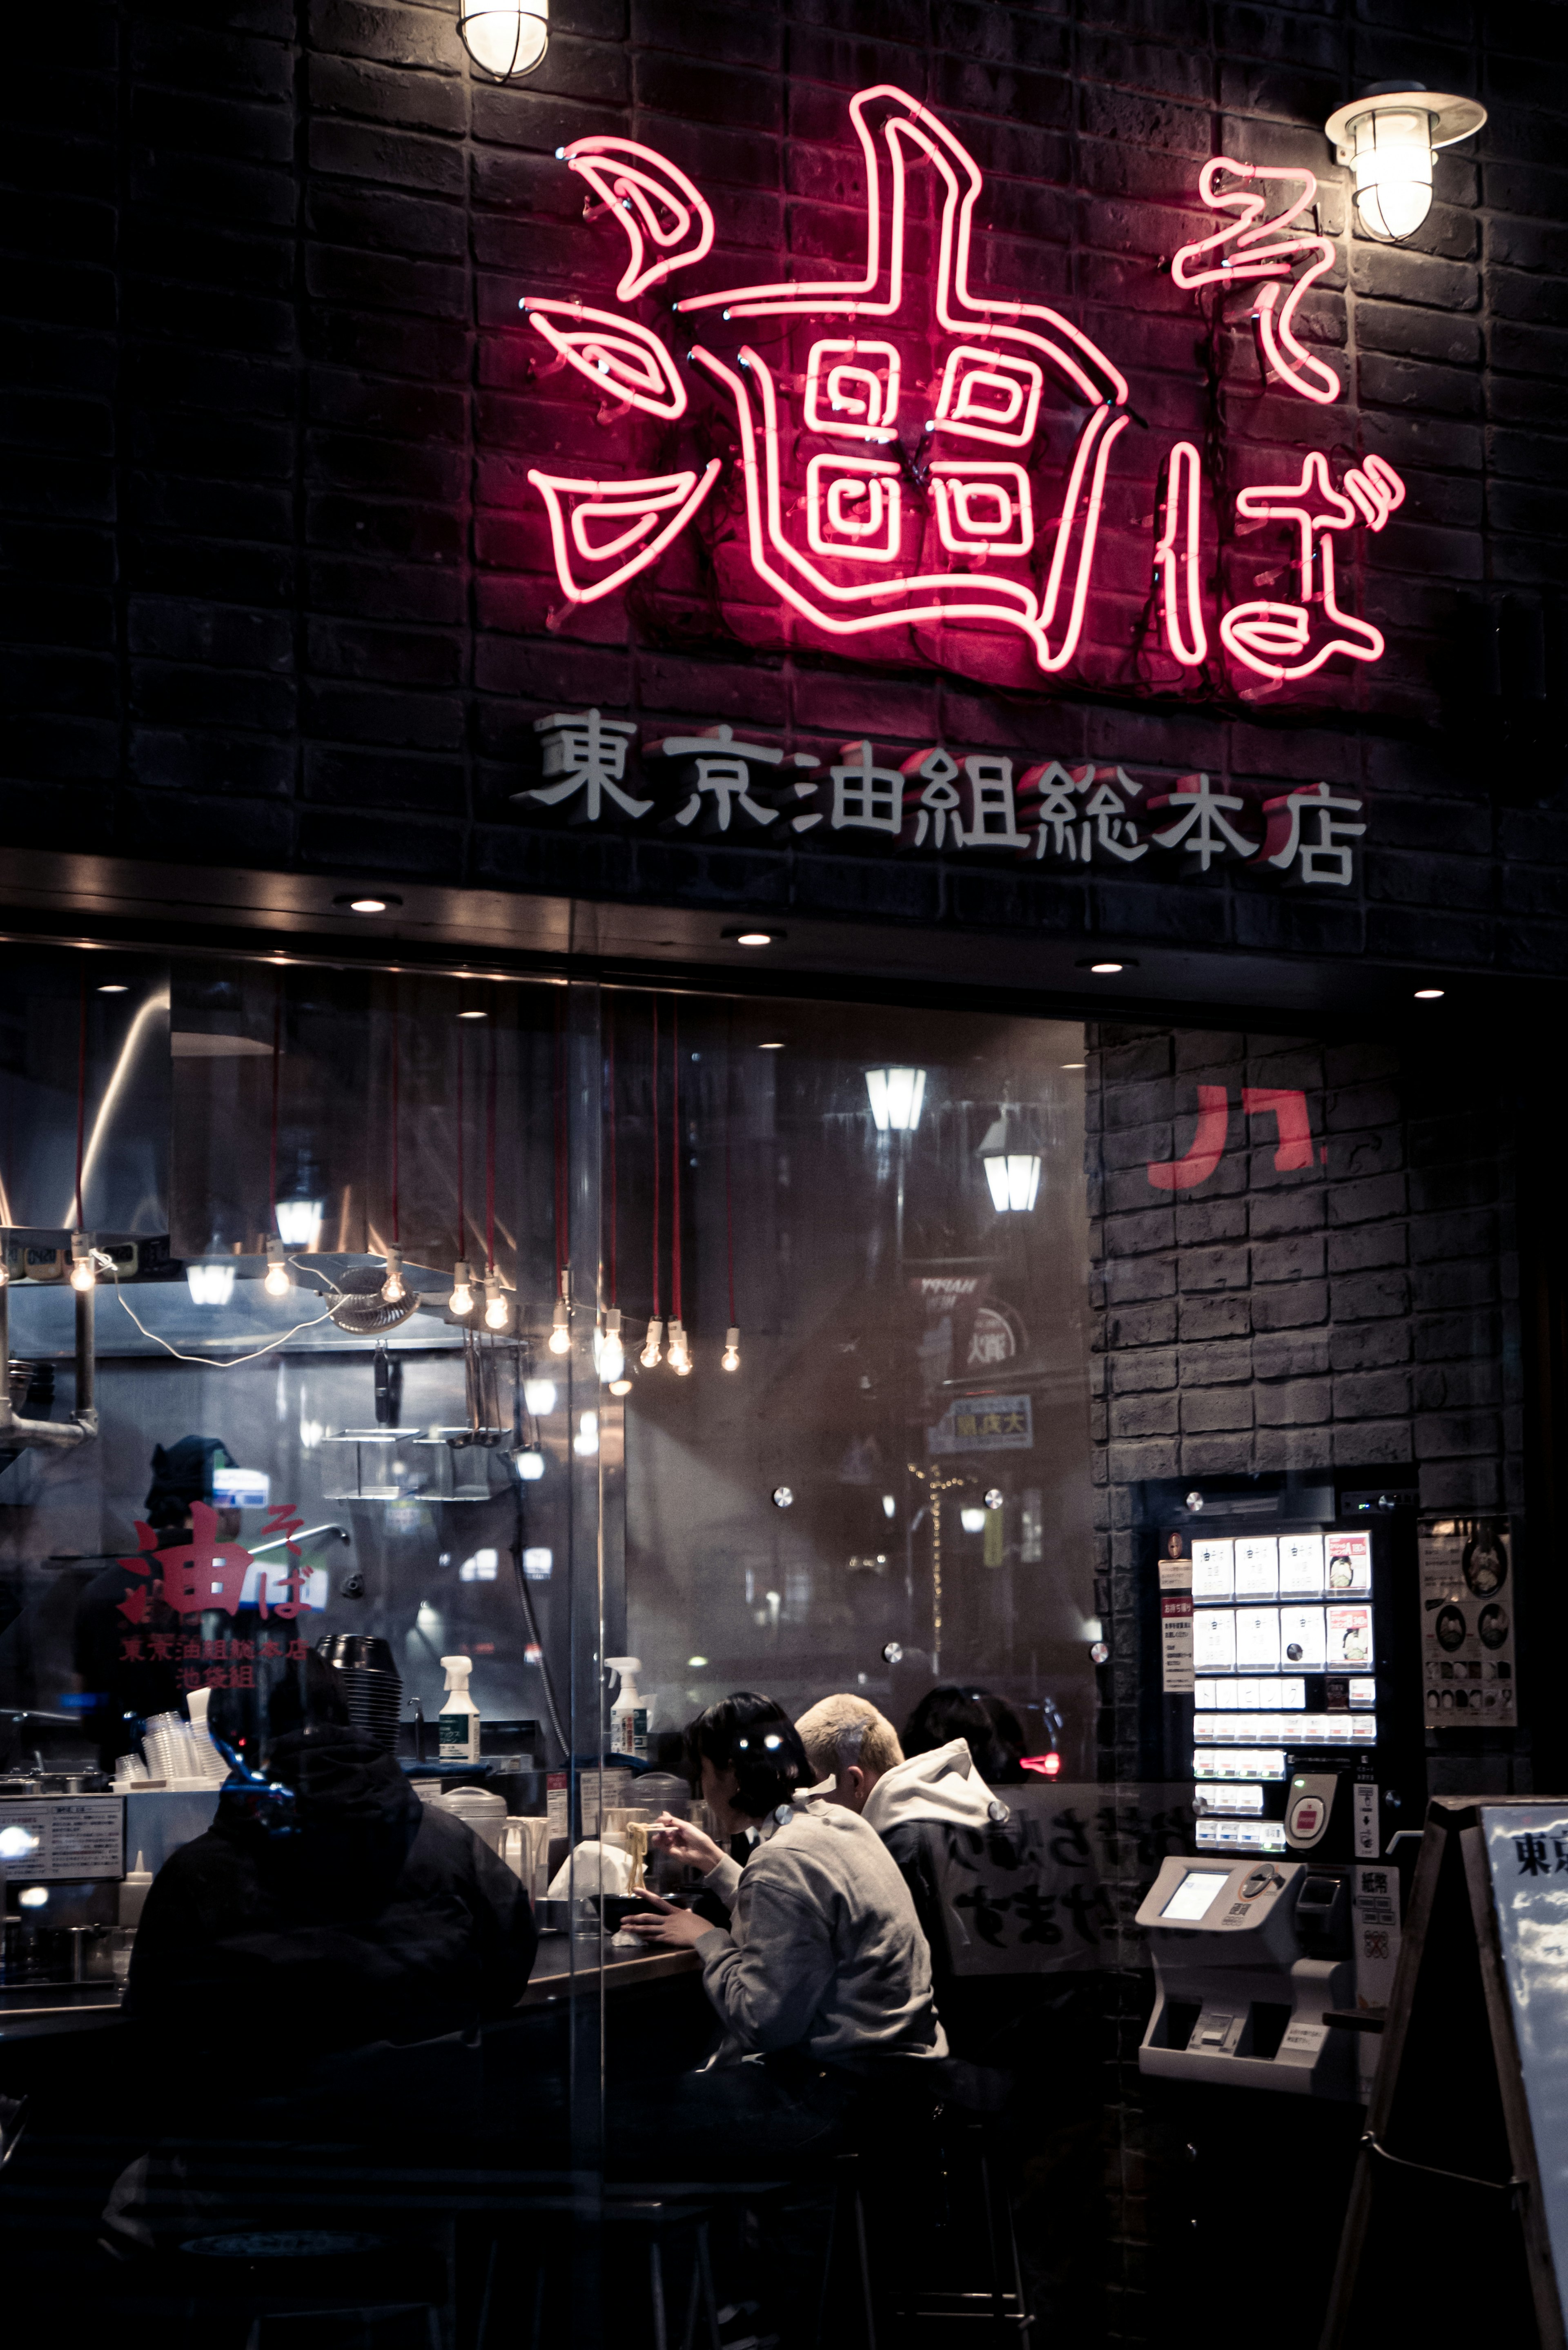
[(1175, 1642), (1257, 1639), (1349, 1563), (68, 1837), (1214, 1639), (1257, 1566), (1213, 1569), (1466, 1570), (1175, 1563), (1349, 1637), (1301, 1639), (1301, 1566)]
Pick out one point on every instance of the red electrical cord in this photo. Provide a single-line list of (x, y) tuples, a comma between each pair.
[(81, 1088), (729, 1195), (272, 1146), (675, 1162), (563, 1167), (615, 1196), (396, 1235), (461, 1216), (489, 1145), (656, 1312)]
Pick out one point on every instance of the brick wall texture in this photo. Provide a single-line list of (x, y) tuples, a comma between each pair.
[(276, 593)]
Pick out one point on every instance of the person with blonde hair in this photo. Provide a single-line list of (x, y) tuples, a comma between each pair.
[(849, 1741)]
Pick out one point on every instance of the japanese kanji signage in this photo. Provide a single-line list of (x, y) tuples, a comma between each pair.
[(905, 464), (205, 1575), (721, 783), (987, 1424)]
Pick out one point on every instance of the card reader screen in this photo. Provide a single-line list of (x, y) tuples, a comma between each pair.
[(1193, 1896)]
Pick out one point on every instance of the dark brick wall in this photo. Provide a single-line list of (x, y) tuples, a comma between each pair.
[(273, 592)]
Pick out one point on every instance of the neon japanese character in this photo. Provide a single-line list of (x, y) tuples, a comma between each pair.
[(589, 754), (1274, 639), (1259, 249)]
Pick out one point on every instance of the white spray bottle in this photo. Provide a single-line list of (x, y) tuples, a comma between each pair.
[(628, 1715), (459, 1721)]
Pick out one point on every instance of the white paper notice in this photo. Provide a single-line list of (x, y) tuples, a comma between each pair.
[(72, 1838), (1213, 1569), (1214, 1639), (1301, 1566), (1301, 1639), (1175, 1642), (1257, 1567)]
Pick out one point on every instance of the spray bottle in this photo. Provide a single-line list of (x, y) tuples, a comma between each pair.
[(458, 1724), (628, 1715)]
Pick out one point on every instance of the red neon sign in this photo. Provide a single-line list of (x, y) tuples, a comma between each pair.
[(919, 477)]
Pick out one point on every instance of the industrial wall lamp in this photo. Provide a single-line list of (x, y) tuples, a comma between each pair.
[(1388, 136), (506, 41)]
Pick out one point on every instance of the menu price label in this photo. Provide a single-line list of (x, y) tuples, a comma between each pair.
[(55, 1839), (1175, 1642)]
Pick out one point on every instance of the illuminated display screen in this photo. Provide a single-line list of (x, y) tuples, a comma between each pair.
[(1194, 1896)]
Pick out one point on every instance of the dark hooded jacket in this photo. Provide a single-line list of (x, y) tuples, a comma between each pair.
[(353, 1914)]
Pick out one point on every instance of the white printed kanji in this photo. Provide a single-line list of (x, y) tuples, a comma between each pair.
[(990, 817), (722, 776), (1115, 829), (865, 797), (1326, 857), (1053, 791), (1205, 831), (931, 801), (589, 755)]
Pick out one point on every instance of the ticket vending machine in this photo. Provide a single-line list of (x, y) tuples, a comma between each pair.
[(1250, 1958)]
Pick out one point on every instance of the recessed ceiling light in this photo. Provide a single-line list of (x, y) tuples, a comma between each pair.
[(113, 987), (1428, 995), (368, 903), (1106, 963), (473, 1015), (1073, 1064), (1106, 967), (695, 1663), (774, 1046), (752, 934)]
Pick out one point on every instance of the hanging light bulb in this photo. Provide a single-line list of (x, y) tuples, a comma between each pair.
[(654, 1345), (679, 1353), (731, 1357), (394, 1289), (84, 1273), (275, 1280), (609, 1355), (585, 1442), (494, 1303), (461, 1298), (620, 1387), (539, 1397), (560, 1340)]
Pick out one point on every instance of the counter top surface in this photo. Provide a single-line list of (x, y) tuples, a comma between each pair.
[(564, 1969)]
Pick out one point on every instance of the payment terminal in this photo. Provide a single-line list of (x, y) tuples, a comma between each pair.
[(1248, 1957)]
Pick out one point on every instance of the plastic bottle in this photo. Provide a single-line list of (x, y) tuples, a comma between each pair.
[(628, 1715), (134, 1888), (458, 1724)]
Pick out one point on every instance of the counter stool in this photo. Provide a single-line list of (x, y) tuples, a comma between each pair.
[(985, 2288), (307, 2289)]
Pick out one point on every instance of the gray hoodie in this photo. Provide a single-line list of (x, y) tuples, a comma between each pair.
[(943, 1786), (824, 1950)]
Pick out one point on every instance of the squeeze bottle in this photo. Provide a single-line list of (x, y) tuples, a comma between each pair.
[(459, 1722), (133, 1891), (628, 1715)]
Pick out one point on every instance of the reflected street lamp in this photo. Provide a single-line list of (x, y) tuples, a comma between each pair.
[(1012, 1175), (897, 1096)]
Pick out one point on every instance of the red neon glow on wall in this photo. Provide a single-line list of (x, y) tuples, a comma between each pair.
[(1176, 559), (1206, 1149), (652, 198), (1259, 249), (1289, 1110), (616, 355), (636, 507)]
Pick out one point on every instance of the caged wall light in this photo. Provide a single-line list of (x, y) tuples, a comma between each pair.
[(506, 41), (1387, 137)]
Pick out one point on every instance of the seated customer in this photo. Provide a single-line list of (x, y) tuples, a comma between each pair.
[(911, 1802), (339, 1904), (987, 1723)]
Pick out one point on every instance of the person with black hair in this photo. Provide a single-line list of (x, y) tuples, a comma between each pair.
[(986, 1725), (125, 1691), (825, 1963)]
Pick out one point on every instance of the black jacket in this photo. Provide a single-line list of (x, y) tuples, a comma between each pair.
[(352, 1914)]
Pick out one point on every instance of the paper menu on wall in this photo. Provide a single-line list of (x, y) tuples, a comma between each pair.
[(1213, 1640), (1257, 1639), (1349, 1636), (1302, 1639), (1348, 1559), (1213, 1568), (1301, 1566), (1257, 1566)]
